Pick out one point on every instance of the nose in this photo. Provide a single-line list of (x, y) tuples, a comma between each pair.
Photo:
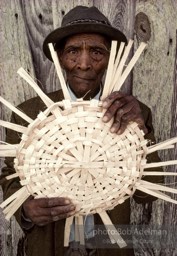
[(84, 61)]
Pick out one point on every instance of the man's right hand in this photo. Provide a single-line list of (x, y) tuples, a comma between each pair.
[(45, 210)]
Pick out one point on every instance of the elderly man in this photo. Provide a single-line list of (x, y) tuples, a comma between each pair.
[(83, 45)]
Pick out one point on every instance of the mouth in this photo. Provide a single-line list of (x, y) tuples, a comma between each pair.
[(84, 78)]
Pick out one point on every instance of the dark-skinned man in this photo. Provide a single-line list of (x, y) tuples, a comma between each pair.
[(83, 46)]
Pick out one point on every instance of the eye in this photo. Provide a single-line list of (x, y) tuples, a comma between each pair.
[(97, 53), (72, 51)]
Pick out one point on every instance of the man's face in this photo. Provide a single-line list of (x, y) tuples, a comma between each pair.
[(85, 58)]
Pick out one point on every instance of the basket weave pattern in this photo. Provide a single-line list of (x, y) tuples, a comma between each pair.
[(76, 156)]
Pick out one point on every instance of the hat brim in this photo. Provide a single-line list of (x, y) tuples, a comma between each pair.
[(63, 32)]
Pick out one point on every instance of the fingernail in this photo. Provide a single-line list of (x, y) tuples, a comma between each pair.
[(119, 132), (72, 208), (67, 201), (56, 218), (71, 213), (105, 103), (105, 118), (112, 129)]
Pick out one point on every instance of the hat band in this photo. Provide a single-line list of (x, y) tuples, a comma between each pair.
[(88, 20)]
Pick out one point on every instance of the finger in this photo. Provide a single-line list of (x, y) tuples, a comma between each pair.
[(51, 202), (53, 211), (135, 117), (122, 128), (44, 220), (111, 111), (56, 211), (116, 126), (141, 124), (128, 110), (107, 102), (118, 119), (63, 216), (40, 207)]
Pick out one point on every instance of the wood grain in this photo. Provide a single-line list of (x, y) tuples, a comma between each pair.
[(154, 84), (15, 53), (121, 14), (170, 209), (39, 22)]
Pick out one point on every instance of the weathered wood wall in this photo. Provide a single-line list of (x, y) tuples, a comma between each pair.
[(23, 27)]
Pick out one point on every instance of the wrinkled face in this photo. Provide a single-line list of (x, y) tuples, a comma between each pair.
[(85, 58)]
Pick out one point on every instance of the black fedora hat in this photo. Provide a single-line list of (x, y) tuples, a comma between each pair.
[(82, 19)]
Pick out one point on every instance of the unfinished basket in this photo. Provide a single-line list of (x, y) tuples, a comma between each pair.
[(67, 151), (76, 156)]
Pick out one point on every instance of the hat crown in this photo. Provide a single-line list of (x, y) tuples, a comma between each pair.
[(82, 19), (83, 14)]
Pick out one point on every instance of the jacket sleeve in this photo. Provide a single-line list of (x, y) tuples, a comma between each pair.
[(139, 196)]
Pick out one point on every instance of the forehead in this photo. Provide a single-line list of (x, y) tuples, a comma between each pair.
[(88, 39)]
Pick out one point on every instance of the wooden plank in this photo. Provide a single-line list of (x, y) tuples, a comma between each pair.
[(14, 53), (39, 22), (153, 84), (121, 14), (170, 209), (153, 75), (60, 9)]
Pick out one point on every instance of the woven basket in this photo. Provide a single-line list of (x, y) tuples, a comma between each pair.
[(76, 156)]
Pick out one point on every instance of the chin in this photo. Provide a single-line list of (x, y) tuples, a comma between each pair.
[(85, 90)]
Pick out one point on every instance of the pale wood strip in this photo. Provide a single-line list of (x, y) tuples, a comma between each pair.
[(159, 173), (122, 63), (86, 154), (109, 70), (34, 85), (13, 197), (162, 145), (112, 231), (81, 230), (129, 67), (8, 153), (156, 194), (89, 180), (15, 127), (118, 57), (8, 146), (12, 176), (14, 109), (59, 71), (166, 163), (16, 204), (116, 64), (68, 224), (76, 153), (154, 186), (77, 238)]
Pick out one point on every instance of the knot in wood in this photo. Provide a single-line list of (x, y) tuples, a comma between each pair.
[(142, 27)]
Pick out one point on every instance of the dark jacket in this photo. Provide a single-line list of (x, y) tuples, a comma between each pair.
[(48, 240)]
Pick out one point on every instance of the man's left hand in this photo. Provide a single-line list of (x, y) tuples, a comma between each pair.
[(123, 109)]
